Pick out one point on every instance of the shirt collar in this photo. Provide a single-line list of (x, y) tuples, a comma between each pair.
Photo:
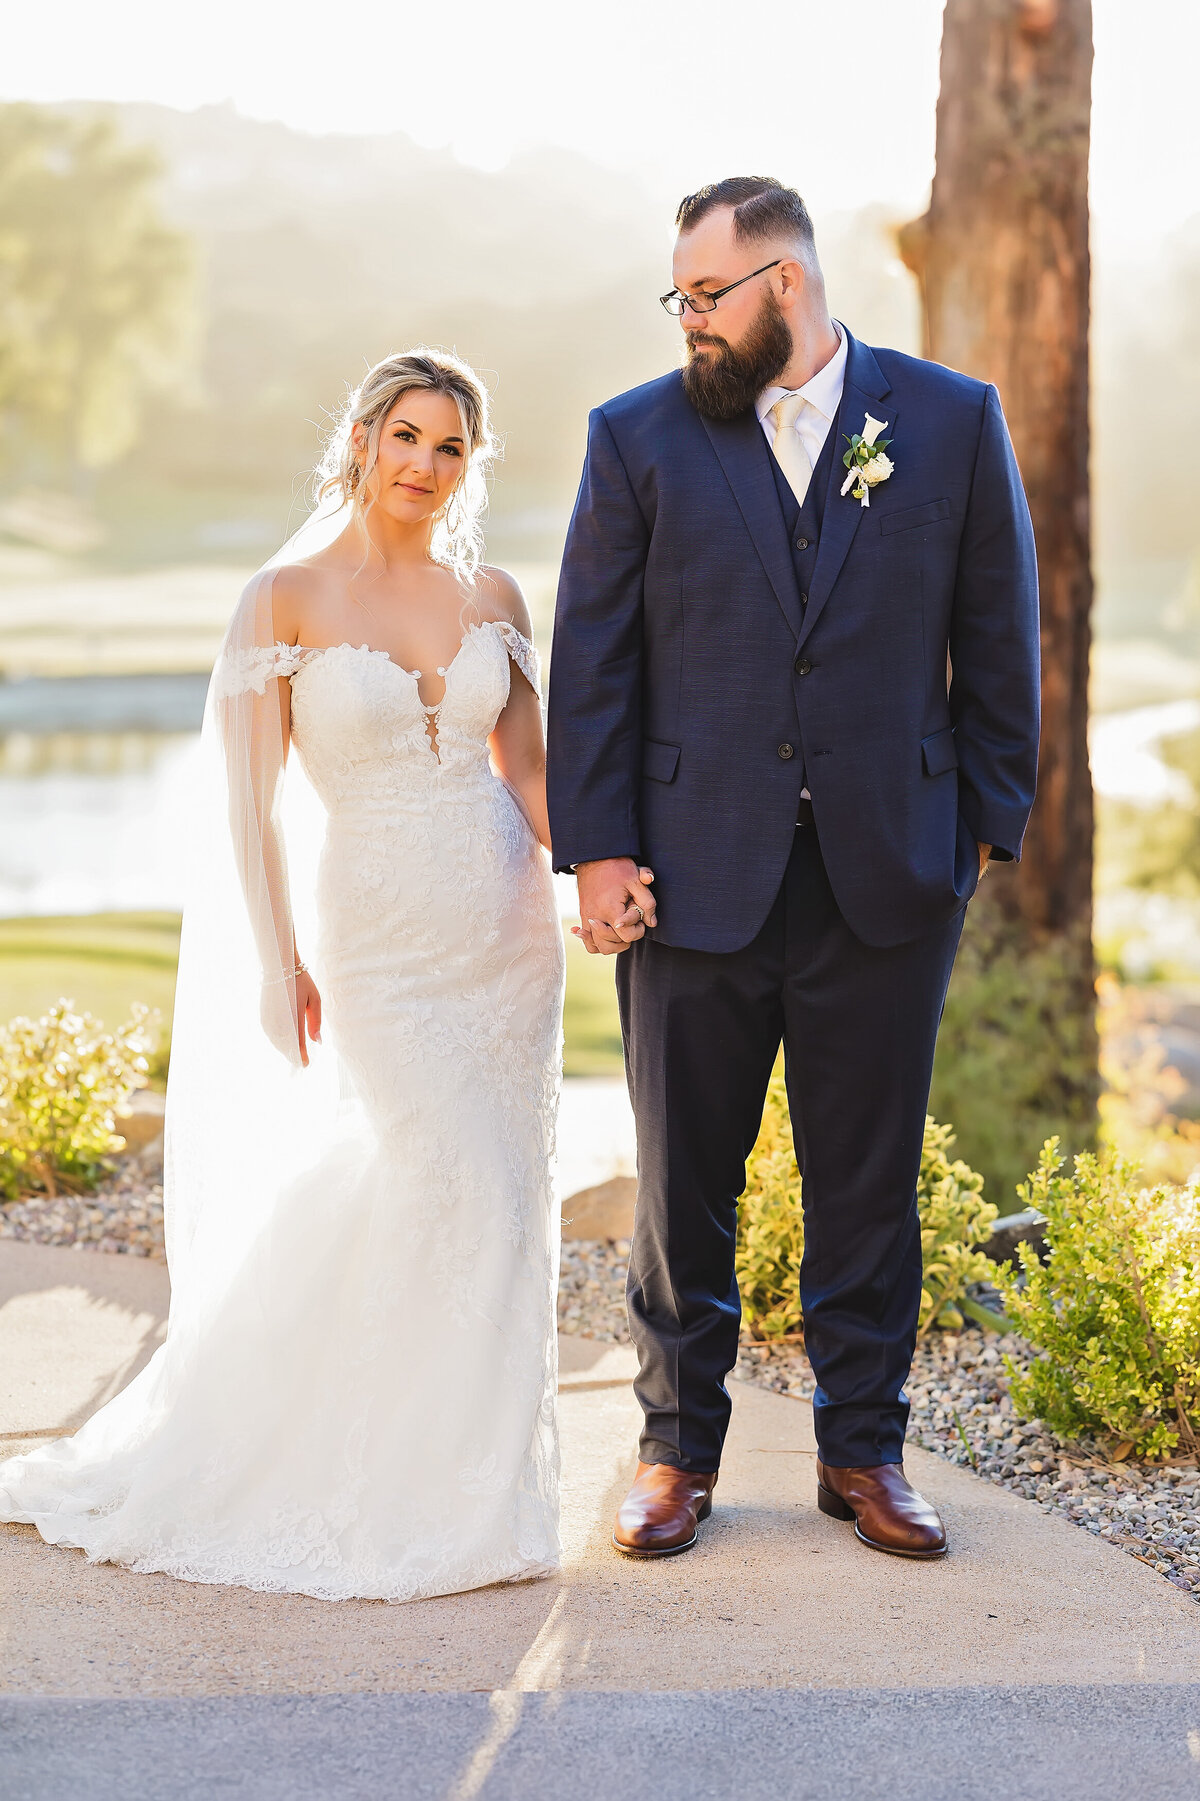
[(822, 390)]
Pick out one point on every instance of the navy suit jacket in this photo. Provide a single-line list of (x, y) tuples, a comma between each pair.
[(905, 687)]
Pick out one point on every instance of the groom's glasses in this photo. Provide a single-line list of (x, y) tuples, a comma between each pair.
[(707, 303)]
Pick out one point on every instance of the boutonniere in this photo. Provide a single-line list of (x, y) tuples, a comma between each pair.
[(866, 460)]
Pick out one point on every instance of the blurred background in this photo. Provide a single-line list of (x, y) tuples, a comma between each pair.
[(211, 226)]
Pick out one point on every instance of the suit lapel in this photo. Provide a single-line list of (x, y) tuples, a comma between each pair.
[(743, 452), (864, 392)]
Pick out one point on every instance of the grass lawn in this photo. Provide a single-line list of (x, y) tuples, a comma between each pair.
[(101, 961), (591, 1028), (104, 961)]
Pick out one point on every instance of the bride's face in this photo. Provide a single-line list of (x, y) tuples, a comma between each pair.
[(421, 457)]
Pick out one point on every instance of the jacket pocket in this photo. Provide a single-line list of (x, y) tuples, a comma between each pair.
[(659, 761), (914, 516), (938, 752)]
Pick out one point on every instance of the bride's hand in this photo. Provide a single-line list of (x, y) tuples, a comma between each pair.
[(289, 1035), (308, 1013)]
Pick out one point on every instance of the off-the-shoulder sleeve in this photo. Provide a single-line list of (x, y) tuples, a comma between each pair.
[(523, 655), (252, 666)]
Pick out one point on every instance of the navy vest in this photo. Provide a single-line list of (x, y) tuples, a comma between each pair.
[(804, 522)]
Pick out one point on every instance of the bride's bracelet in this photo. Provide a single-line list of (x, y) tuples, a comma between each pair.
[(301, 969)]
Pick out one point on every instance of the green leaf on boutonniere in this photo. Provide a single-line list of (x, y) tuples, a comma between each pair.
[(860, 452)]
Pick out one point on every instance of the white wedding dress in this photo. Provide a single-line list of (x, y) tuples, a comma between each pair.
[(356, 1396)]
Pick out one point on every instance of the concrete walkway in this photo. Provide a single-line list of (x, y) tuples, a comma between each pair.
[(779, 1658)]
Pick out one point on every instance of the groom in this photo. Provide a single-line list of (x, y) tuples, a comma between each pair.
[(807, 698)]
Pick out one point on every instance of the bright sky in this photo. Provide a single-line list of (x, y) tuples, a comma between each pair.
[(678, 92)]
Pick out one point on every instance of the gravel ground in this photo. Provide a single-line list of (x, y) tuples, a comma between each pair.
[(124, 1215), (960, 1409), (591, 1288)]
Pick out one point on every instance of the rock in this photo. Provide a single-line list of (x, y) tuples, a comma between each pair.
[(1014, 1229), (605, 1211), (143, 1122)]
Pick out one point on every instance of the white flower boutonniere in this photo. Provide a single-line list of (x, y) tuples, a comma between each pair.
[(866, 461)]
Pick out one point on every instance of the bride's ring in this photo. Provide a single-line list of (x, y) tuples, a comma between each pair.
[(640, 914)]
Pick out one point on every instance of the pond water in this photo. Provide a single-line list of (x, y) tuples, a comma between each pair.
[(94, 822), (95, 777)]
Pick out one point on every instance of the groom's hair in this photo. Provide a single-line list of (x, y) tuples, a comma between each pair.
[(762, 209)]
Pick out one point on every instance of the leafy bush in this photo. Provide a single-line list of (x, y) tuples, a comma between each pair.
[(770, 1241), (954, 1220), (63, 1079), (1017, 1054), (1115, 1310)]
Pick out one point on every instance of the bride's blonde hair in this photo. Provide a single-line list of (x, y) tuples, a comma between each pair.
[(343, 471)]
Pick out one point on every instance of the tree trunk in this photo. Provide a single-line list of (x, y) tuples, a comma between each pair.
[(1003, 264)]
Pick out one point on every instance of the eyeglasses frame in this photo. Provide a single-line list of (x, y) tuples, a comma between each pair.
[(688, 300)]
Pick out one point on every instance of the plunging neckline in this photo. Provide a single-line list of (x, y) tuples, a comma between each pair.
[(414, 675), (431, 712)]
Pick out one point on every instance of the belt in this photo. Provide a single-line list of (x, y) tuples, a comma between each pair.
[(804, 812)]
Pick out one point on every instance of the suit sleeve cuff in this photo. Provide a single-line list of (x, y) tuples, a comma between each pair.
[(594, 856)]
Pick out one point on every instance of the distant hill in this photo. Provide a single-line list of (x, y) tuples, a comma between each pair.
[(318, 254)]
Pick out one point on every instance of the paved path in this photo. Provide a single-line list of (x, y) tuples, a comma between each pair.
[(962, 1744), (780, 1658)]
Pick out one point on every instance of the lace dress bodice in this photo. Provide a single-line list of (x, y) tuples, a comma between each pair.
[(359, 722)]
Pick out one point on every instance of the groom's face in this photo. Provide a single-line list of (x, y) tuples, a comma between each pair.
[(741, 347)]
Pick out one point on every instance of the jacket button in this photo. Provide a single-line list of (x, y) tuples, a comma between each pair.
[(803, 666), (786, 751), (801, 543)]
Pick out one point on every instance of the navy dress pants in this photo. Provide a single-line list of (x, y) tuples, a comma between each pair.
[(702, 1030)]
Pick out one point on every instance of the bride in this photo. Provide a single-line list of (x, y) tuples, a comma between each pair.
[(356, 1396)]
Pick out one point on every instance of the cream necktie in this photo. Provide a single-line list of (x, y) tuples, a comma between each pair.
[(790, 453)]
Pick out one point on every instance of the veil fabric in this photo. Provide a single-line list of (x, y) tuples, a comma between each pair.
[(243, 1117)]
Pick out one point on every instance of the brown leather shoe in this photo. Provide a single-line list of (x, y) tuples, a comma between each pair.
[(658, 1516), (888, 1513)]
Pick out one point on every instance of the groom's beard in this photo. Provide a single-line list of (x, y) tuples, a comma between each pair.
[(723, 382)]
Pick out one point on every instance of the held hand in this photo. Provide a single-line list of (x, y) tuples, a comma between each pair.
[(985, 851), (616, 905)]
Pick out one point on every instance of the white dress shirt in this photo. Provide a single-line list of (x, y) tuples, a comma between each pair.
[(823, 392)]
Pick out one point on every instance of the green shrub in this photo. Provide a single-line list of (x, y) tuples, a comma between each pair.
[(954, 1220), (63, 1078), (1115, 1310), (1017, 1052), (770, 1240)]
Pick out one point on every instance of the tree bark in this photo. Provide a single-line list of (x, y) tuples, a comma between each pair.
[(1002, 260), (1003, 263)]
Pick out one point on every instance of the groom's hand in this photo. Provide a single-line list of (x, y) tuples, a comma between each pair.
[(615, 905)]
